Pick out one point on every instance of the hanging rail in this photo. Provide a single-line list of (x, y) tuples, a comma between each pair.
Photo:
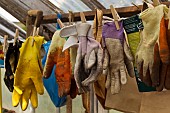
[(123, 12)]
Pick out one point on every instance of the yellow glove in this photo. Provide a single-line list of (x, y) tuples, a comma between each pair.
[(28, 75)]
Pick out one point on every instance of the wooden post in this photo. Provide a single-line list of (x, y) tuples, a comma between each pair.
[(69, 104), (95, 104), (91, 99)]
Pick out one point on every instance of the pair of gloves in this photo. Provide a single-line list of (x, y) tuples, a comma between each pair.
[(28, 74), (152, 56), (88, 63), (117, 64)]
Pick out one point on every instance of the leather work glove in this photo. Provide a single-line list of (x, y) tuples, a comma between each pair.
[(62, 61), (50, 84), (164, 70), (147, 55), (11, 60), (119, 53), (28, 81)]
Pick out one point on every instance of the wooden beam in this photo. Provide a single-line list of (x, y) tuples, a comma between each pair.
[(12, 27), (19, 9), (93, 4), (123, 12)]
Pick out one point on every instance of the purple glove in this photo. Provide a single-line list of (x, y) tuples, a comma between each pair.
[(120, 56)]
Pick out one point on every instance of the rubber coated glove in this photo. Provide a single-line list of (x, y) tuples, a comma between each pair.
[(119, 54), (50, 84), (28, 75), (62, 61), (151, 19)]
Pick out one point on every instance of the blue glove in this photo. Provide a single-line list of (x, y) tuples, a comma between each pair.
[(51, 84)]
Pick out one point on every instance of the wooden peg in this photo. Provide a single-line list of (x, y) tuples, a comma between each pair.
[(83, 19), (5, 43), (60, 23), (156, 3), (37, 31), (135, 5), (71, 17), (169, 19), (114, 14), (16, 36)]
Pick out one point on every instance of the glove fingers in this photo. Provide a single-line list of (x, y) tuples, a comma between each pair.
[(163, 72), (25, 99), (145, 69), (38, 83), (90, 59), (147, 79), (156, 66), (105, 62), (129, 67), (77, 68), (108, 80), (115, 83), (15, 98), (127, 52), (139, 64), (34, 98), (123, 78), (167, 79)]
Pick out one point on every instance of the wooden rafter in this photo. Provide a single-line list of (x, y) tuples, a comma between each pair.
[(8, 28), (19, 9), (123, 12), (12, 27), (93, 4)]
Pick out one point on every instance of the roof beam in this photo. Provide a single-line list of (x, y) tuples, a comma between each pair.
[(93, 4), (123, 12), (12, 27), (19, 9)]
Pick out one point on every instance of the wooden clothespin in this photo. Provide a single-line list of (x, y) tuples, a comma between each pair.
[(39, 15), (135, 5), (169, 19), (60, 23), (5, 43), (83, 19), (115, 16), (16, 36), (156, 3), (71, 17)]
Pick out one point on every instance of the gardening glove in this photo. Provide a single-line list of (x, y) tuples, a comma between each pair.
[(28, 81), (118, 51), (11, 60), (51, 84), (72, 45), (132, 25), (147, 46), (81, 31), (164, 78), (62, 61), (96, 70)]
